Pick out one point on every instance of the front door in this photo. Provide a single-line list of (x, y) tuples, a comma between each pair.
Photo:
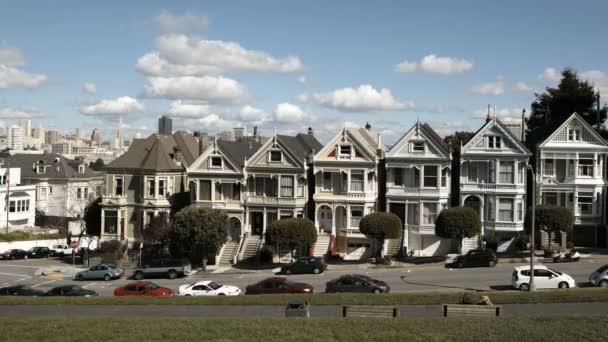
[(257, 223)]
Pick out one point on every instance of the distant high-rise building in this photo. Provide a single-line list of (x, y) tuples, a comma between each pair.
[(26, 124), (15, 138), (226, 136), (239, 133), (96, 137), (165, 125), (51, 137), (77, 133), (119, 140), (39, 133)]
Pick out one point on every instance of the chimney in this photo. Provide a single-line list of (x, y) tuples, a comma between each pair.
[(597, 113), (197, 134), (255, 131), (311, 132), (523, 125), (488, 115), (368, 127)]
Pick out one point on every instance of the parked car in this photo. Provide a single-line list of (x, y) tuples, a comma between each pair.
[(278, 285), (101, 271), (39, 252), (475, 258), (13, 254), (356, 283), (20, 290), (142, 288), (171, 268), (305, 265), (70, 291), (600, 277), (208, 288), (61, 250), (544, 278)]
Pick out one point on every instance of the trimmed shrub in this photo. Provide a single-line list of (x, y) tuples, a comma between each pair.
[(458, 223), (381, 226), (111, 251), (491, 242), (293, 232), (266, 254), (521, 242)]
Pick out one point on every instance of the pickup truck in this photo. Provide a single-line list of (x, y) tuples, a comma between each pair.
[(61, 250), (171, 268)]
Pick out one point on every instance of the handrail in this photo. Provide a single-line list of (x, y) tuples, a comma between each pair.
[(236, 258), (242, 246)]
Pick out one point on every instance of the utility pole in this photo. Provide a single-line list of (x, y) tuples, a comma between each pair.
[(8, 190), (532, 286)]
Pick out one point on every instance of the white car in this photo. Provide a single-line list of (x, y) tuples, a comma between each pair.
[(61, 250), (208, 288), (544, 278)]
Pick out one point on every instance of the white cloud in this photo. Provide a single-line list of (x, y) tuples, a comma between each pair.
[(20, 113), (124, 105), (181, 55), (598, 79), (490, 88), (551, 75), (193, 109), (11, 57), (12, 77), (89, 88), (214, 121), (436, 65), (252, 114), (206, 88), (302, 79), (289, 113), (363, 99), (170, 23), (522, 86)]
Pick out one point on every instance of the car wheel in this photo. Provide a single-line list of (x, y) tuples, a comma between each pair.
[(288, 271), (524, 287), (563, 285), (139, 275), (107, 277), (603, 283), (221, 294), (316, 271), (492, 263), (187, 295), (376, 291), (172, 274), (80, 277), (460, 265)]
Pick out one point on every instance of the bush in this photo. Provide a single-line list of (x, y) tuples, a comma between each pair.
[(111, 251), (266, 254), (380, 226), (570, 245), (491, 242), (386, 260), (521, 242), (457, 223)]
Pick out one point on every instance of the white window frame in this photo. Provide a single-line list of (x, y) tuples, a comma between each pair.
[(586, 203), (501, 211), (270, 156), (549, 171), (358, 173), (165, 187), (122, 185), (150, 180), (345, 155), (494, 142), (432, 217), (323, 179), (216, 157), (501, 172), (414, 149), (574, 134)]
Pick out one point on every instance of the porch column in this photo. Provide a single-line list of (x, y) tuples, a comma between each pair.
[(246, 221), (103, 219), (333, 220), (406, 237), (365, 181), (348, 216), (213, 190), (278, 186), (348, 181)]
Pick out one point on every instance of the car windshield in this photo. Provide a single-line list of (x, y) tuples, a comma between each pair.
[(214, 286), (112, 266), (602, 269), (288, 282), (152, 286)]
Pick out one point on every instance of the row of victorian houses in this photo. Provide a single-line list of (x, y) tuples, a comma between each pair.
[(257, 181)]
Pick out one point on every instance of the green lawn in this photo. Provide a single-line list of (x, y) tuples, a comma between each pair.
[(421, 298), (314, 329)]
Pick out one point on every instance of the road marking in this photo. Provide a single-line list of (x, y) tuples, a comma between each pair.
[(84, 287), (14, 274), (15, 281), (3, 265), (46, 282)]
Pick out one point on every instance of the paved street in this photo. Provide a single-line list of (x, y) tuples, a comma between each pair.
[(416, 278)]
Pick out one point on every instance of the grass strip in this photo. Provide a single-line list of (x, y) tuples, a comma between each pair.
[(299, 329), (418, 298)]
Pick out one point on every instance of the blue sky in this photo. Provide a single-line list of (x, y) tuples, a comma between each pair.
[(289, 64)]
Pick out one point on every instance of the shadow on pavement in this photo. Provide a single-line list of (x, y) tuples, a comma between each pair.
[(406, 281), (502, 288)]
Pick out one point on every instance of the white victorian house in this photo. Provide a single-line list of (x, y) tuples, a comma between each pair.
[(493, 181), (418, 188), (571, 172), (346, 189)]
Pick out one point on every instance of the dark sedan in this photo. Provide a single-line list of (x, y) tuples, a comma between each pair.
[(20, 290), (476, 258), (305, 265), (13, 254), (70, 291), (277, 285), (357, 283)]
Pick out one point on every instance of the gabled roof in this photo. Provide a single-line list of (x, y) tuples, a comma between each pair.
[(299, 147), (582, 121), (427, 131), (360, 137), (57, 166), (238, 151), (156, 153), (495, 122)]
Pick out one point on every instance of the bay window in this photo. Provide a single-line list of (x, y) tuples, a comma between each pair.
[(430, 176), (506, 172), (505, 209), (429, 213), (287, 186), (585, 165), (327, 181), (204, 190), (585, 203), (413, 214), (356, 181), (398, 176), (151, 186), (162, 186), (549, 167)]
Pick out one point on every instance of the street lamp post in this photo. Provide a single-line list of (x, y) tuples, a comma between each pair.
[(532, 286)]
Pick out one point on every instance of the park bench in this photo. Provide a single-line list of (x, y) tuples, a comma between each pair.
[(370, 311), (460, 310)]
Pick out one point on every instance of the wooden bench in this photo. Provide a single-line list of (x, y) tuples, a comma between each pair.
[(370, 311), (460, 310)]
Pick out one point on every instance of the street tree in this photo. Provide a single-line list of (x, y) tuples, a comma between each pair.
[(551, 219), (98, 165), (379, 227), (458, 223), (295, 232), (199, 232), (157, 235)]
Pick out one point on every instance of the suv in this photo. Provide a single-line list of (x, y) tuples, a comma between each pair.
[(305, 265), (39, 252), (600, 277), (163, 268), (476, 257)]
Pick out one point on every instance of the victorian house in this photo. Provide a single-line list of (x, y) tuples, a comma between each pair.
[(418, 188), (144, 181), (570, 174), (346, 189), (493, 181)]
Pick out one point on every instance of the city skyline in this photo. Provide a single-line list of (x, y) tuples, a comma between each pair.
[(212, 67)]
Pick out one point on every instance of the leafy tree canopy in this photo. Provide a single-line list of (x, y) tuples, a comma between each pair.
[(551, 219), (380, 226), (92, 218), (98, 165), (200, 230), (458, 223), (458, 138), (294, 232)]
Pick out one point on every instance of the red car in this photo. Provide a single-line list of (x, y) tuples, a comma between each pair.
[(278, 285), (142, 288)]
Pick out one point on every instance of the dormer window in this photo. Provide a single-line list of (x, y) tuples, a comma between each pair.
[(344, 151), (494, 142), (216, 162), (276, 156), (81, 169), (418, 146), (40, 169), (574, 134)]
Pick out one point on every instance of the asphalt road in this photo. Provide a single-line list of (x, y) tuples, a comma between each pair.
[(418, 278)]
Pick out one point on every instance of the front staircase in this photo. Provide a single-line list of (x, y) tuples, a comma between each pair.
[(322, 245), (393, 247), (251, 247), (229, 252), (469, 244)]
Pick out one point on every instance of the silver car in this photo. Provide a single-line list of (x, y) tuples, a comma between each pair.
[(101, 271), (600, 277)]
